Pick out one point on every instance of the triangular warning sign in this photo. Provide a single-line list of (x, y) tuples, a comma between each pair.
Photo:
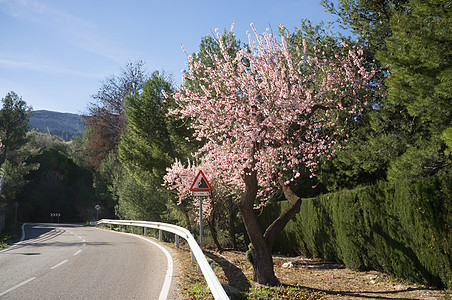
[(201, 183)]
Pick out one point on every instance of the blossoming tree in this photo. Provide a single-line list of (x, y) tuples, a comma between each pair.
[(264, 114), (180, 178)]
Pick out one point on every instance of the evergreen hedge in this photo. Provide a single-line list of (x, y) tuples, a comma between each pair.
[(402, 228)]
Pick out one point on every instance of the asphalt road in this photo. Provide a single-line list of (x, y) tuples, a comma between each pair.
[(57, 261)]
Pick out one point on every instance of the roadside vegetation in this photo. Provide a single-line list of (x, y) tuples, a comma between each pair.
[(10, 235)]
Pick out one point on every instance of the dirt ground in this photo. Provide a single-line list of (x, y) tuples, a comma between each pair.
[(341, 283), (321, 280)]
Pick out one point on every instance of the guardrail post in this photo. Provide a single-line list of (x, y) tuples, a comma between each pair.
[(160, 235), (192, 256), (144, 231), (176, 237), (110, 226), (132, 228)]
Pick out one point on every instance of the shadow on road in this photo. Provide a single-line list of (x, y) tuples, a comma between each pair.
[(41, 234)]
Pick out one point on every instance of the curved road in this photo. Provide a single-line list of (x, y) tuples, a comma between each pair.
[(60, 261)]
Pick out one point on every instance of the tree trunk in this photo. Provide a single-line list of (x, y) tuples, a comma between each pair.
[(262, 260), (213, 229), (278, 225), (187, 219), (263, 271), (231, 222)]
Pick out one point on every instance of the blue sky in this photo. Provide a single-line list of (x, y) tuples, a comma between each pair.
[(56, 53)]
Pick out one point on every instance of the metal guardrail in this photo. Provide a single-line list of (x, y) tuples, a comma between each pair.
[(212, 281)]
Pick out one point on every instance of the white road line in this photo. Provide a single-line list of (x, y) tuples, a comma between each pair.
[(57, 265), (169, 272), (78, 252), (17, 286)]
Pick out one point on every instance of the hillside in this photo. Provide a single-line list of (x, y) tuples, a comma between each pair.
[(64, 125)]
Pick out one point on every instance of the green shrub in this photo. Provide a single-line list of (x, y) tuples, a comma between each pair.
[(58, 185), (403, 228)]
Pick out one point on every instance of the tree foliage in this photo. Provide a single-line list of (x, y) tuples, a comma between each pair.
[(367, 19), (15, 178), (419, 58), (152, 142), (208, 51), (105, 182), (153, 139), (41, 178), (405, 133), (267, 111), (378, 135), (138, 201), (105, 120), (57, 185), (42, 141), (14, 117)]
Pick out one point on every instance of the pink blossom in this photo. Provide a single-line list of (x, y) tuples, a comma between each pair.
[(270, 117)]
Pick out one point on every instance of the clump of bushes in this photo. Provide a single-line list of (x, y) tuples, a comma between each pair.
[(402, 228)]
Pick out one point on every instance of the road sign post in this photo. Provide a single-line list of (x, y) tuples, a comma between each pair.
[(200, 188), (200, 222), (97, 208)]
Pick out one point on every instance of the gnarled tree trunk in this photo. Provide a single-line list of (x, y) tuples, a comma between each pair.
[(262, 244)]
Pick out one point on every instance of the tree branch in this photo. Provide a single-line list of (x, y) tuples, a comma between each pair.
[(278, 225), (295, 127)]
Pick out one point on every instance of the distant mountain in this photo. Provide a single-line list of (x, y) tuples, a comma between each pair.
[(64, 125)]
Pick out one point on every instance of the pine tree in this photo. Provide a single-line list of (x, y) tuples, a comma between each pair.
[(419, 57), (14, 117)]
